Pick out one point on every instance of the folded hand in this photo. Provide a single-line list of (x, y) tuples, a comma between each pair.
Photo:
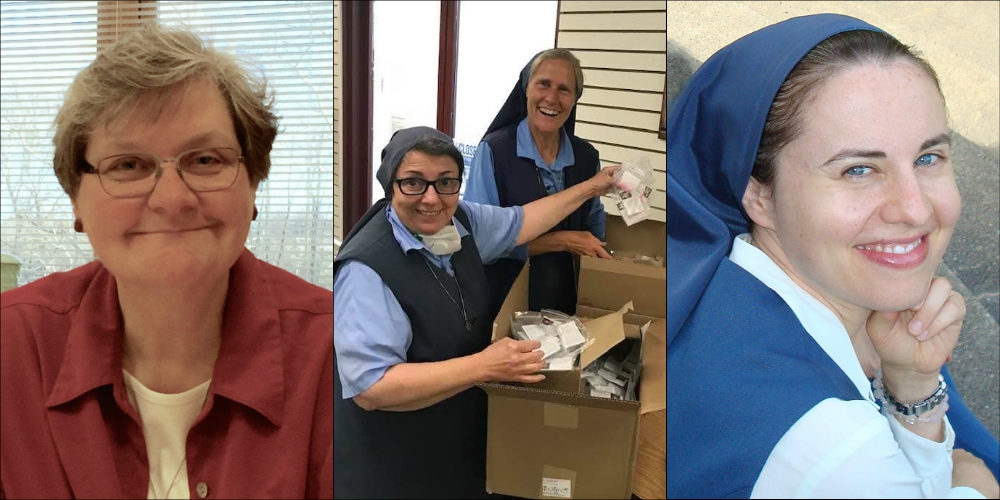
[(940, 318)]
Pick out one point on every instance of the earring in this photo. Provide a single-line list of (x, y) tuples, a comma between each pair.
[(78, 226), (254, 213)]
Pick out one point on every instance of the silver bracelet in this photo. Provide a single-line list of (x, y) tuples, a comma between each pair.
[(930, 410)]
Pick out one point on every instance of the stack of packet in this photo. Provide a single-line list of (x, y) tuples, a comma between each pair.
[(563, 337), (611, 378)]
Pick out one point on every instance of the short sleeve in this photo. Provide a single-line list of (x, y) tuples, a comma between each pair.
[(495, 229), (373, 332)]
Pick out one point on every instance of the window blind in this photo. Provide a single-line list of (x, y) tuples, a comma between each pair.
[(43, 45), (338, 173)]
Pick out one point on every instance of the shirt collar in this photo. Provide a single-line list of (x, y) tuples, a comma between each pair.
[(526, 148), (249, 368), (817, 319)]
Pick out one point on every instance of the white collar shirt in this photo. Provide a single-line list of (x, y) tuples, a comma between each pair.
[(845, 449)]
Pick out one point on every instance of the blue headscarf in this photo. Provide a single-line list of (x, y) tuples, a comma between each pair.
[(713, 132)]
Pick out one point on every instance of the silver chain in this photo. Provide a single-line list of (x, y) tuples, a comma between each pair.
[(167, 494), (468, 326)]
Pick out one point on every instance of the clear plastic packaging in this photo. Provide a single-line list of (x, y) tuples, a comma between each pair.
[(633, 189), (563, 337), (612, 377)]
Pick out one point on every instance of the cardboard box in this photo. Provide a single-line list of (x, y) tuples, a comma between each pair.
[(607, 284), (547, 440), (649, 479), (647, 237)]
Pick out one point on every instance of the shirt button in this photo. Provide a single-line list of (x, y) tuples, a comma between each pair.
[(202, 490)]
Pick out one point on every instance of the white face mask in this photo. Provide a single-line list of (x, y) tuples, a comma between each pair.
[(444, 242)]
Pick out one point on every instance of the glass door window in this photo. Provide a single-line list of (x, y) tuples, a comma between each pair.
[(405, 58), (495, 40)]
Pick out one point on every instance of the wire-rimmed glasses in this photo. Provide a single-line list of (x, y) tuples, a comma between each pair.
[(134, 175)]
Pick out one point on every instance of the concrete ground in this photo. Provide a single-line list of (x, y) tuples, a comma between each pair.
[(961, 40)]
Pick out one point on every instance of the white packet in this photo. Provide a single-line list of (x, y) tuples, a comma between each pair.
[(550, 346), (633, 189), (559, 364), (535, 332)]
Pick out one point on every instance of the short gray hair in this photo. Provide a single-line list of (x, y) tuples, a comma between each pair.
[(148, 62), (564, 55)]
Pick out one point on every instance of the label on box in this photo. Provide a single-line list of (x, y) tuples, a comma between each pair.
[(570, 336), (559, 488), (535, 332)]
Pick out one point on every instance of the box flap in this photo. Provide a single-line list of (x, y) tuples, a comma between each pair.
[(562, 381), (648, 237), (630, 318), (603, 284), (531, 394), (653, 389), (607, 332), (517, 300)]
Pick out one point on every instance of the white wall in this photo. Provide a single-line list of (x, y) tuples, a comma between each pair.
[(623, 54)]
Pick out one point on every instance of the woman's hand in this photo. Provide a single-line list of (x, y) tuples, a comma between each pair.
[(969, 470), (942, 311), (584, 243), (604, 180), (938, 310), (544, 213), (509, 360)]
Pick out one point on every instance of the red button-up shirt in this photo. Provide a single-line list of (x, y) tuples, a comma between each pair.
[(67, 428)]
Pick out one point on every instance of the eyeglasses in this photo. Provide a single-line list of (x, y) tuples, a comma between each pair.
[(414, 186), (134, 175)]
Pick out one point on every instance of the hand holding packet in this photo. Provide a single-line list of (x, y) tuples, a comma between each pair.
[(563, 337)]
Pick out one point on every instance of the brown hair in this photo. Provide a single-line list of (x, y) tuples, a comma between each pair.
[(148, 62), (829, 58)]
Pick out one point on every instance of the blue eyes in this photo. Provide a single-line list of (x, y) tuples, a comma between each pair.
[(856, 171), (861, 171)]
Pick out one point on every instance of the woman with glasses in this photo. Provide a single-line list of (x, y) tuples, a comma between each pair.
[(178, 365), (528, 152), (412, 329)]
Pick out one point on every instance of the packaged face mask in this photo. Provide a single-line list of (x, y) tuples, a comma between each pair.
[(633, 189)]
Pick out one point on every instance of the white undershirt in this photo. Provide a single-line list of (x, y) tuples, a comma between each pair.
[(166, 420), (845, 449)]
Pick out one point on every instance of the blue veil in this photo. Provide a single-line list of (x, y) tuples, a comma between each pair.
[(713, 132)]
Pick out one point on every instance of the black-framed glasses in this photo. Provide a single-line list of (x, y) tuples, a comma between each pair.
[(415, 186), (133, 175)]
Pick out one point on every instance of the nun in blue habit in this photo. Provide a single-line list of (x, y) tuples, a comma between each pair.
[(766, 397), (509, 170)]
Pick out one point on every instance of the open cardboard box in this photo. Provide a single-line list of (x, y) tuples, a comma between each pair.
[(606, 283), (547, 440)]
